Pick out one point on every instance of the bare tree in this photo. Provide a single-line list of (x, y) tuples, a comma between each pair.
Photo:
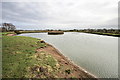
[(8, 26)]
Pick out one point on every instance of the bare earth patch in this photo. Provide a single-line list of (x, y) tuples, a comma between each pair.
[(11, 34)]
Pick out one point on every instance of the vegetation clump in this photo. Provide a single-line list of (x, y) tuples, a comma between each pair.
[(68, 71), (55, 32)]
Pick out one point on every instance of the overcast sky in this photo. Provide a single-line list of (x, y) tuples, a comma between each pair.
[(60, 14)]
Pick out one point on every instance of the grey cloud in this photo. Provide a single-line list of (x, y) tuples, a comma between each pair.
[(61, 12), (22, 12)]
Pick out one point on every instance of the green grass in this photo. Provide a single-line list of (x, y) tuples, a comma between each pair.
[(109, 34), (102, 33), (32, 31), (5, 33), (19, 56)]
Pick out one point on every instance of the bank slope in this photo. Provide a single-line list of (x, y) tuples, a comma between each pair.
[(26, 57)]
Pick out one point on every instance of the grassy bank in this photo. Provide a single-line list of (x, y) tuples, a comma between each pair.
[(20, 60), (114, 32), (107, 34), (6, 33), (26, 57), (33, 31)]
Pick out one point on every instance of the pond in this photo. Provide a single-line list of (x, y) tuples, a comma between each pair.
[(97, 54)]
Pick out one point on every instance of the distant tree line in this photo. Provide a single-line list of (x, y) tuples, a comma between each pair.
[(114, 31), (7, 27), (10, 27)]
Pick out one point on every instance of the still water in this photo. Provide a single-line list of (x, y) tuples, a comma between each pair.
[(97, 54)]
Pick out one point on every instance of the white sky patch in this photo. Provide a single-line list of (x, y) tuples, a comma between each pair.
[(56, 12)]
